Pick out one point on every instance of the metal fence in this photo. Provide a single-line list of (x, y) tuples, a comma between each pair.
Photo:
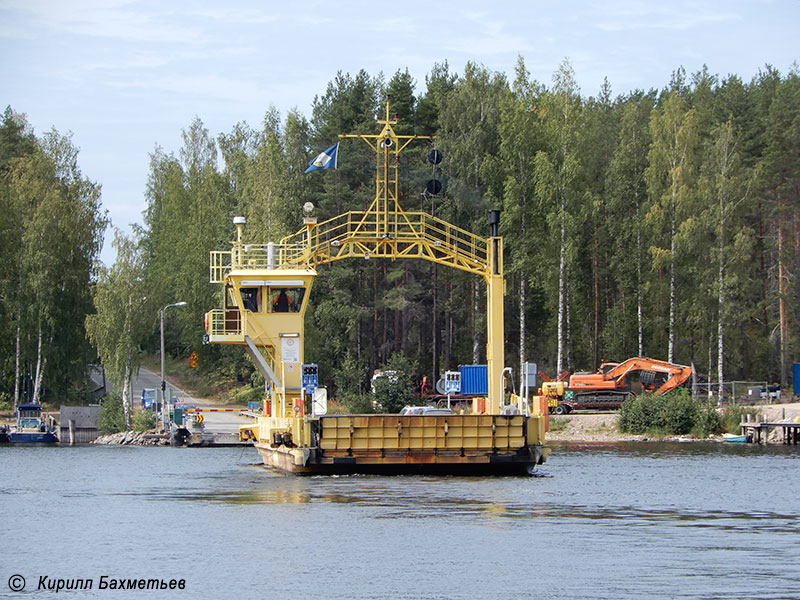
[(739, 392)]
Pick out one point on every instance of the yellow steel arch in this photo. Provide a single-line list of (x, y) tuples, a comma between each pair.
[(385, 230)]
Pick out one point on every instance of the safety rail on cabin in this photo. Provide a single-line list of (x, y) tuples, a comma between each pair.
[(223, 321), (389, 235), (361, 234), (255, 256)]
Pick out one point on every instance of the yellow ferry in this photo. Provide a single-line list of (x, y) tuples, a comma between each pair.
[(265, 293)]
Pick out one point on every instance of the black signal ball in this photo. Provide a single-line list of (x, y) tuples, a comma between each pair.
[(434, 187), (435, 156)]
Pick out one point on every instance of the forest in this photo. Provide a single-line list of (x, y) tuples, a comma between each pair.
[(661, 223)]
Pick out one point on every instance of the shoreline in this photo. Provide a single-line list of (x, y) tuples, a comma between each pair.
[(603, 427), (131, 438)]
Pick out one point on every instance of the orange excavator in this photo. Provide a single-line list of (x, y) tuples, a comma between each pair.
[(611, 385)]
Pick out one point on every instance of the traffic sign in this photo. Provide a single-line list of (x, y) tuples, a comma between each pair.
[(452, 382), (310, 378)]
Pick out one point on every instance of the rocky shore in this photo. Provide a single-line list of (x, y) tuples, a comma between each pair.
[(133, 438)]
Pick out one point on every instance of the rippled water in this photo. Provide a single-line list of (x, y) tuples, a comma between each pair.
[(598, 521)]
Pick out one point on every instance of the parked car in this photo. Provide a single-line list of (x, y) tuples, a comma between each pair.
[(425, 410), (149, 401)]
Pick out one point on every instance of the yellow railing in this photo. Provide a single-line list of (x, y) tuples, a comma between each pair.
[(388, 235), (255, 256), (370, 234), (224, 322)]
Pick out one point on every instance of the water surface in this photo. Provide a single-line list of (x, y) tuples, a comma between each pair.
[(632, 520)]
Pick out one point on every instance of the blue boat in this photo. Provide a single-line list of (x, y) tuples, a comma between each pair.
[(30, 427), (736, 439)]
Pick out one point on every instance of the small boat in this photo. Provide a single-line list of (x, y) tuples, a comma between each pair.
[(736, 439), (30, 427)]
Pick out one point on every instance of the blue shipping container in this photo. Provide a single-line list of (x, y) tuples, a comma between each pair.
[(796, 378), (474, 380)]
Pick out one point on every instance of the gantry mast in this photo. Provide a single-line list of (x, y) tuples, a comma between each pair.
[(386, 230)]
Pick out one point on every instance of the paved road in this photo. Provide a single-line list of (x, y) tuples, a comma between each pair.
[(215, 422)]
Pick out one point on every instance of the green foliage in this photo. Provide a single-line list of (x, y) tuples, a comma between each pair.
[(249, 394), (112, 417), (50, 237), (731, 418), (673, 413), (355, 403), (120, 323), (639, 413), (678, 413), (653, 223), (708, 420), (393, 390), (349, 377), (144, 420)]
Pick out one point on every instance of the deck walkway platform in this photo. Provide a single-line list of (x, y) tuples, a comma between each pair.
[(760, 430)]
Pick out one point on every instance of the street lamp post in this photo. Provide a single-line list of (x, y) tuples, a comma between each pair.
[(164, 411)]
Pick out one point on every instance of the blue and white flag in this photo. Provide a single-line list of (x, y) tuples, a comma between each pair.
[(324, 160)]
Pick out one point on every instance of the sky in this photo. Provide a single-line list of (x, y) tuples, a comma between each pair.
[(124, 77)]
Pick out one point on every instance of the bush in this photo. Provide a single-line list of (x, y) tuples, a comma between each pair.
[(678, 413), (356, 403), (708, 420), (112, 417), (638, 414), (394, 391), (731, 418), (144, 420), (674, 413), (349, 377)]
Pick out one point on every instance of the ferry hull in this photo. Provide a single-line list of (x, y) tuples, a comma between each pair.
[(393, 444), (32, 438), (305, 461)]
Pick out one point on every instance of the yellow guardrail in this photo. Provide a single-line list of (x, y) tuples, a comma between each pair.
[(388, 235), (256, 256), (224, 322), (367, 234)]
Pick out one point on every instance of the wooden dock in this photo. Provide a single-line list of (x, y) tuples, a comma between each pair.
[(760, 430)]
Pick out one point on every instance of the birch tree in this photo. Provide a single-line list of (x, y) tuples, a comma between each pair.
[(730, 190), (670, 185), (59, 233), (513, 189), (628, 197), (556, 173), (124, 315)]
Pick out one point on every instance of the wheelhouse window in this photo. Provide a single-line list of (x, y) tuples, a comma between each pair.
[(251, 298), (286, 299)]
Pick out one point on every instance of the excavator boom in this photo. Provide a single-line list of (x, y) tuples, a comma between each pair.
[(609, 386), (677, 373)]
